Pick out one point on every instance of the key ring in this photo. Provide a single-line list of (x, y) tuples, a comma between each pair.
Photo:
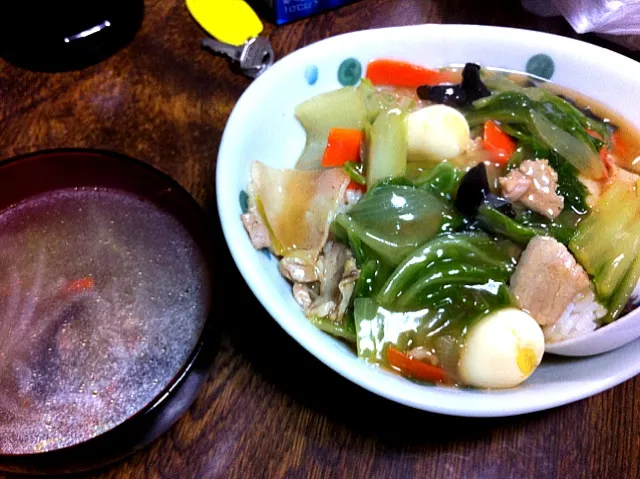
[(235, 29)]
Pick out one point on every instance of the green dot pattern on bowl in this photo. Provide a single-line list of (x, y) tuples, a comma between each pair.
[(541, 65), (244, 201), (349, 72)]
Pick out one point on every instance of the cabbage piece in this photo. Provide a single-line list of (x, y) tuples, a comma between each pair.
[(297, 206), (448, 274), (344, 329), (393, 220), (569, 185), (378, 101), (607, 240), (348, 107), (343, 108), (561, 228), (373, 275), (376, 327), (568, 111), (550, 122), (512, 105), (620, 298), (448, 315), (499, 83), (471, 248), (575, 151), (508, 107), (442, 180), (387, 156), (494, 221)]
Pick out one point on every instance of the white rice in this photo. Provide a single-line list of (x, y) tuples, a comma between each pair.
[(351, 197), (580, 317)]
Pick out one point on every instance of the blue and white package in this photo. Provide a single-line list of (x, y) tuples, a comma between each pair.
[(285, 11)]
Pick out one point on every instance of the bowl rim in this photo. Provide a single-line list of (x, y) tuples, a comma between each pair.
[(360, 376), (192, 363)]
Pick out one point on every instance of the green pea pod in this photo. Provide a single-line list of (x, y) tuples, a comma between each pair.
[(447, 274), (473, 247)]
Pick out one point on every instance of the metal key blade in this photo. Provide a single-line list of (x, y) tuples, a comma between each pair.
[(230, 51), (257, 52), (253, 57)]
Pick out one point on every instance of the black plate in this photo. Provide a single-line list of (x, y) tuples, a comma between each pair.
[(42, 172), (60, 35)]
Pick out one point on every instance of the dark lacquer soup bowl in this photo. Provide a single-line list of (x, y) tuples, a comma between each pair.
[(105, 308)]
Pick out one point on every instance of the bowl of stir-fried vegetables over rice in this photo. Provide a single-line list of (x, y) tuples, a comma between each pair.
[(430, 210)]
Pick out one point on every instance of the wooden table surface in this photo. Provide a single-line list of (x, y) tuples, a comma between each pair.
[(165, 101)]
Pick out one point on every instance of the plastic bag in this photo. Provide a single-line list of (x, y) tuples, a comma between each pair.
[(617, 20)]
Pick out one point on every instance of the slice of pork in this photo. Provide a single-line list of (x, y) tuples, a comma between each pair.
[(298, 270), (534, 185), (329, 294), (546, 279), (334, 257), (304, 295), (298, 206), (258, 232), (346, 286)]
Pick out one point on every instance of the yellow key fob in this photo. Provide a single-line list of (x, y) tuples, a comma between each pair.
[(229, 21)]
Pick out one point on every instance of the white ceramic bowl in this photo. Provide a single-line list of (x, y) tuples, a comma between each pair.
[(262, 127)]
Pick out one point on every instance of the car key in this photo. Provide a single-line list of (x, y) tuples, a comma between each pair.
[(236, 29), (253, 57)]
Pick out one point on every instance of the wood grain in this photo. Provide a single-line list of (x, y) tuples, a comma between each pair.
[(165, 101)]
